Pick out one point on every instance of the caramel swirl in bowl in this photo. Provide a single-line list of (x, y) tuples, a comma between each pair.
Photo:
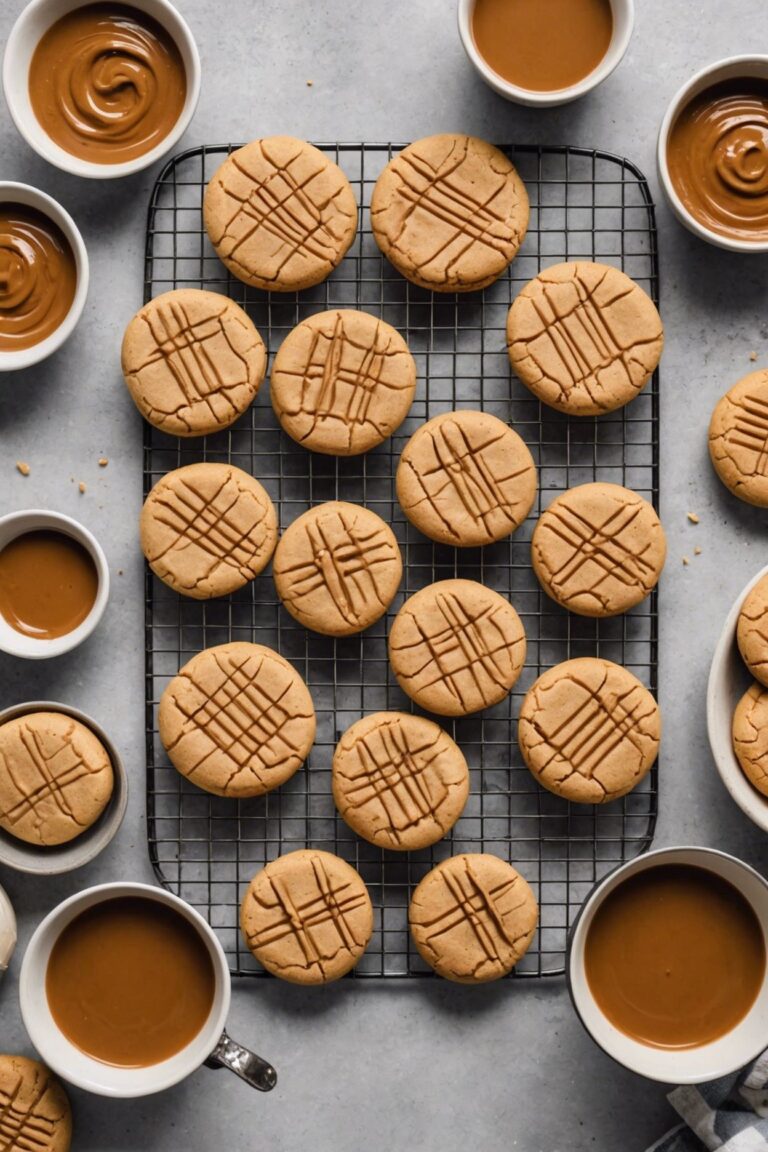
[(718, 158), (38, 277), (107, 83)]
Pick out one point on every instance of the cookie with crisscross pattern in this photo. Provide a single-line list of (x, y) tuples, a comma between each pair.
[(738, 439), (35, 1115)]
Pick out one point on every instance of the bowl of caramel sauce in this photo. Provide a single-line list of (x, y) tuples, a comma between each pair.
[(43, 275), (712, 154), (667, 964), (101, 89)]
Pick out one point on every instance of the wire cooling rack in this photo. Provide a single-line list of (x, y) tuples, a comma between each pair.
[(584, 204)]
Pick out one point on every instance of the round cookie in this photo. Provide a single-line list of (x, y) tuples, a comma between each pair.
[(466, 478), (450, 212), (56, 778), (207, 529), (456, 647), (750, 736), (337, 568), (193, 361), (584, 338), (598, 549), (237, 720), (399, 781), (280, 214), (589, 730), (35, 1115), (752, 631), (738, 439), (307, 917), (473, 918), (342, 382)]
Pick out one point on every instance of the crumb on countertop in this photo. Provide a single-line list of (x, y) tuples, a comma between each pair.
[(81, 488), (693, 518), (119, 571), (23, 467), (697, 551), (103, 461), (310, 83), (686, 561), (753, 356)]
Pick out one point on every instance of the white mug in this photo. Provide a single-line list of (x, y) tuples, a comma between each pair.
[(211, 1046)]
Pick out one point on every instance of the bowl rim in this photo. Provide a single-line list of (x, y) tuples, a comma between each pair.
[(548, 99), (15, 191), (90, 843), (709, 74), (167, 14)]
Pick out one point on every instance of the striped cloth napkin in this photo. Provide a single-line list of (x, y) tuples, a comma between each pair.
[(730, 1114)]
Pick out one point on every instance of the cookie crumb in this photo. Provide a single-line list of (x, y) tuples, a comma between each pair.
[(753, 356), (119, 571), (81, 488), (103, 461), (693, 518), (310, 83), (23, 467), (686, 561), (697, 551)]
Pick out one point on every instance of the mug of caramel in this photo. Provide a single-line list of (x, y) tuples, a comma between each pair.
[(125, 991), (667, 964)]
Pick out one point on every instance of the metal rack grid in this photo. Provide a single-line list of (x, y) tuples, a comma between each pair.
[(584, 204)]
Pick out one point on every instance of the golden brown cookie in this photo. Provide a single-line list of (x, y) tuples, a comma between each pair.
[(307, 917), (337, 568), (193, 361), (280, 214), (456, 647), (237, 720), (35, 1115), (750, 736), (738, 439), (56, 778), (598, 549), (342, 382), (584, 337), (207, 529), (752, 631), (466, 478), (399, 781), (472, 918), (589, 730), (450, 212)]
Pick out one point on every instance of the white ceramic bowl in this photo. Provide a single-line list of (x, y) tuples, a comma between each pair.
[(623, 23), (24, 37), (729, 679), (7, 932), (11, 192), (729, 69), (51, 861), (30, 647), (673, 1065), (211, 1043)]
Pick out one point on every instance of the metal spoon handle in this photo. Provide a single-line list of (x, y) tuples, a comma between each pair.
[(244, 1063)]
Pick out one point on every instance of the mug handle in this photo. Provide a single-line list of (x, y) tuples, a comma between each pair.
[(244, 1063)]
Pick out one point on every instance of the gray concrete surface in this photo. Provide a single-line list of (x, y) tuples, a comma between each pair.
[(388, 1067)]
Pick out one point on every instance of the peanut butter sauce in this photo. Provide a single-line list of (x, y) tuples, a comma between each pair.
[(107, 83), (542, 45), (130, 982), (675, 956), (48, 584), (38, 277), (717, 155)]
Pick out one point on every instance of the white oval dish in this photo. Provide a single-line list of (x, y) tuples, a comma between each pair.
[(32, 23), (7, 931), (729, 679), (12, 192), (623, 23)]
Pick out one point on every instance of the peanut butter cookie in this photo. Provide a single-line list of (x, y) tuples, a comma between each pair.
[(456, 647), (738, 439), (750, 736), (584, 338), (280, 214), (342, 382), (399, 781), (466, 478), (237, 720), (193, 362), (207, 529), (598, 549), (450, 212), (56, 778), (752, 631), (337, 568), (589, 730), (307, 917), (472, 918), (34, 1108)]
